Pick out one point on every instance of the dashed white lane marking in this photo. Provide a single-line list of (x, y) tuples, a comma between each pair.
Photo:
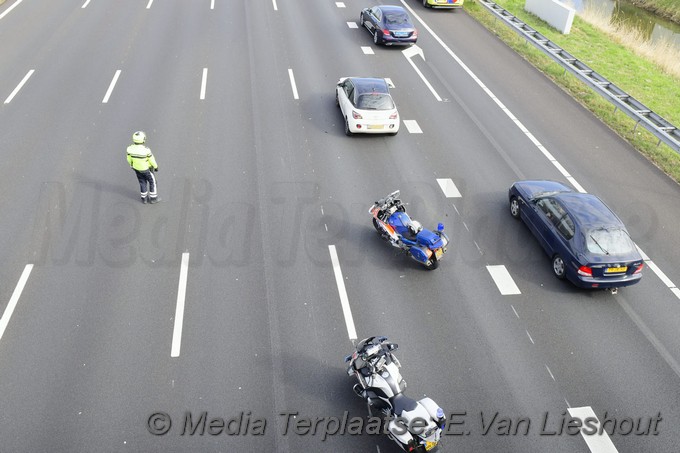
[(9, 309), (14, 5), (204, 81), (111, 86), (87, 2), (352, 25), (212, 4), (597, 443), (292, 84), (550, 372), (148, 5), (412, 126), (526, 131), (529, 335), (367, 50), (449, 188), (506, 285), (276, 8), (179, 310), (389, 82), (18, 87), (340, 4), (344, 301)]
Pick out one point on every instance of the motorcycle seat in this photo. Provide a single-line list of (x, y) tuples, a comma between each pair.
[(401, 403)]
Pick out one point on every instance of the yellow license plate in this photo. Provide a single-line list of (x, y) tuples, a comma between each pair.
[(616, 270), (430, 445), (439, 253), (376, 126)]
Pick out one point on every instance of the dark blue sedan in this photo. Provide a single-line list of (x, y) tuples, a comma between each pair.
[(587, 242), (390, 25)]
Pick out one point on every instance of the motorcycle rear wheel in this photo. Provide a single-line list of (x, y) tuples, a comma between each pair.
[(434, 264)]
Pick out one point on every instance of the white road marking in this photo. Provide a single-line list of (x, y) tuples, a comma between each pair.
[(367, 50), (87, 2), (292, 84), (389, 82), (340, 4), (18, 87), (409, 53), (212, 4), (449, 188), (506, 285), (521, 126), (515, 311), (148, 5), (10, 8), (110, 90), (597, 443), (344, 301), (529, 335), (179, 310), (204, 81), (352, 25), (276, 8), (550, 372), (412, 126), (9, 309)]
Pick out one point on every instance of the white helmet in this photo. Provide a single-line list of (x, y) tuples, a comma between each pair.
[(138, 137)]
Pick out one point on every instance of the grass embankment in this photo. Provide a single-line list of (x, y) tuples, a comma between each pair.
[(669, 9), (643, 79)]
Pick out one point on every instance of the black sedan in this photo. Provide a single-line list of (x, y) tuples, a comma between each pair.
[(390, 25), (587, 242)]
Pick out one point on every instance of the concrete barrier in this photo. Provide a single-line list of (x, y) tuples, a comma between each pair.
[(553, 12)]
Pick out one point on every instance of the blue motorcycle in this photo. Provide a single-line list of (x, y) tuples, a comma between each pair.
[(395, 226)]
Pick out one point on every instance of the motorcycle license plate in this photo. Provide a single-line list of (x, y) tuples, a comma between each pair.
[(430, 445), (439, 253)]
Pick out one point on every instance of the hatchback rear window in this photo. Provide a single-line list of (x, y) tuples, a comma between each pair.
[(609, 241), (375, 101)]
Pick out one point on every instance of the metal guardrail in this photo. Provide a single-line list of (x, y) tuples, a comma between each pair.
[(635, 109)]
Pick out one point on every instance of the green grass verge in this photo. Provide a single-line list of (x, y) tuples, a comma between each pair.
[(635, 75)]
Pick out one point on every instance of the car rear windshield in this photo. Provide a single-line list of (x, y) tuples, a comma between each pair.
[(375, 101), (397, 19), (609, 241)]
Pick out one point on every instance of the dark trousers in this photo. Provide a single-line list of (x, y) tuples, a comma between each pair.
[(147, 184)]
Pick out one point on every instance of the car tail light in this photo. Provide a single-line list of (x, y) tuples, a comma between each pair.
[(355, 115), (638, 268), (394, 116), (585, 271), (386, 32)]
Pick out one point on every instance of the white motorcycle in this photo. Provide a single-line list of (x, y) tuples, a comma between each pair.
[(416, 426)]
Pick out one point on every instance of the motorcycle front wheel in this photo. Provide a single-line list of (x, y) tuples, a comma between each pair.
[(377, 227)]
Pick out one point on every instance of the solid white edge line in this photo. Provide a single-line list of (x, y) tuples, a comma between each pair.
[(292, 84), (10, 8), (597, 443), (664, 278), (18, 87), (204, 81), (111, 86), (9, 309), (344, 301), (179, 310)]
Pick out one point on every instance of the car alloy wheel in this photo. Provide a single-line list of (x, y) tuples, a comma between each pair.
[(559, 268), (375, 37), (514, 207), (348, 132)]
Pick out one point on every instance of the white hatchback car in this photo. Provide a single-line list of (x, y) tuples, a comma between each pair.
[(366, 106)]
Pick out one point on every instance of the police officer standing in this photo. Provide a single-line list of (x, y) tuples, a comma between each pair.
[(142, 161)]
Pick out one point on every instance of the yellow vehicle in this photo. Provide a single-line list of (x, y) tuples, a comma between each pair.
[(451, 4)]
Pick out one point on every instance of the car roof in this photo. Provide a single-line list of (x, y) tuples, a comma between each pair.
[(588, 210), (370, 85), (391, 8)]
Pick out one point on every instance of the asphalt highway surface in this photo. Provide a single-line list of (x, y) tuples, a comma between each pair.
[(233, 301)]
